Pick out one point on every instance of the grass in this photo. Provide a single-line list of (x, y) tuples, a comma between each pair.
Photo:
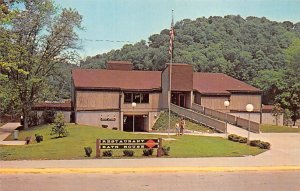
[(72, 147), (163, 121), (278, 129)]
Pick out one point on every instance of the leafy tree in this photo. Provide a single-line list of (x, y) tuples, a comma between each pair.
[(33, 45), (277, 111), (59, 127)]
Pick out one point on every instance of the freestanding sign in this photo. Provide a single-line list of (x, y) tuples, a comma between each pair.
[(128, 144)]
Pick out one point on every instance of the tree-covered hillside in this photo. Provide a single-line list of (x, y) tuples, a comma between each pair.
[(232, 45), (258, 51)]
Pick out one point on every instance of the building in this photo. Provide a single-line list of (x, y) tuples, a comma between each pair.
[(104, 97)]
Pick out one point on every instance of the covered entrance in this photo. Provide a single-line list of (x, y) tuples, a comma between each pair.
[(179, 98), (140, 122)]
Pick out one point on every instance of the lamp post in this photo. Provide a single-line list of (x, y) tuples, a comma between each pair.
[(226, 104), (249, 108), (133, 106)]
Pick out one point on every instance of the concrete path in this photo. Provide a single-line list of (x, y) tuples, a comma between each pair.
[(6, 131)]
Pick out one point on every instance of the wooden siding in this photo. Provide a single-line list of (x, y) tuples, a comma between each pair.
[(214, 102), (267, 118), (153, 105), (96, 100), (238, 102)]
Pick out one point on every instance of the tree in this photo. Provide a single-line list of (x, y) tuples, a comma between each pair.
[(289, 96), (36, 42), (277, 111), (59, 127)]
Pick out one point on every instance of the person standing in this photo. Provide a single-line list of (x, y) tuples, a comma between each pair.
[(182, 125), (177, 129)]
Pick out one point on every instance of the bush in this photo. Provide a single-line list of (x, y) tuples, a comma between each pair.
[(147, 152), (166, 150), (107, 153), (88, 151), (233, 137), (59, 127), (237, 138), (243, 140), (39, 138), (115, 128), (255, 143), (48, 116), (128, 153), (264, 145), (33, 120), (260, 144)]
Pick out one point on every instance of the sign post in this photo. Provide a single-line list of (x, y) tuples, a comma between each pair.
[(98, 148), (159, 150)]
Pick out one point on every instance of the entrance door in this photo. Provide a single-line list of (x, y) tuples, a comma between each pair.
[(138, 123), (181, 100)]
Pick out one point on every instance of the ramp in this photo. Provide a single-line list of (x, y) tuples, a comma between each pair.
[(199, 118)]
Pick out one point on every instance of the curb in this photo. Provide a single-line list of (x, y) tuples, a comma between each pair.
[(145, 170)]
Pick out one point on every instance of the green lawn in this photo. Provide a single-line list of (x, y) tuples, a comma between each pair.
[(163, 122), (278, 129), (71, 147)]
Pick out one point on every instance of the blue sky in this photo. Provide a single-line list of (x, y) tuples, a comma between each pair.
[(134, 20)]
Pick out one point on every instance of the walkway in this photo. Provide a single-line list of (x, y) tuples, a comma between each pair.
[(6, 131)]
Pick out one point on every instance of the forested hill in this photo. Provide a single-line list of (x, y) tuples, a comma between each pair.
[(239, 47), (258, 51)]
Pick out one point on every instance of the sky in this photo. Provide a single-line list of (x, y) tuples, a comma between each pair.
[(109, 24)]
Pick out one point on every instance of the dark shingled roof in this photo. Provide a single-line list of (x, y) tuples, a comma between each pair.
[(116, 79), (220, 84), (204, 83)]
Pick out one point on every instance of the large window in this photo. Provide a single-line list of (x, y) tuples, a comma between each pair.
[(127, 97), (136, 97), (144, 98)]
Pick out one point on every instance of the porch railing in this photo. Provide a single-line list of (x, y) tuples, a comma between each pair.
[(200, 118), (237, 121)]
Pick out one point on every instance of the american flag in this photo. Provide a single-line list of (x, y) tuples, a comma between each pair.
[(171, 47)]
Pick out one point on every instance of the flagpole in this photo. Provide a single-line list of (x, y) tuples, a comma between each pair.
[(170, 80)]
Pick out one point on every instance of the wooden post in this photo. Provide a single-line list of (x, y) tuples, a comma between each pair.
[(98, 148), (159, 150)]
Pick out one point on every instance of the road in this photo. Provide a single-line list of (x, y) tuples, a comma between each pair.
[(213, 181)]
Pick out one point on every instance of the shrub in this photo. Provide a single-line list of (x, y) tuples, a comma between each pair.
[(48, 116), (59, 127), (260, 144), (115, 128), (107, 153), (233, 137), (128, 153), (255, 143), (237, 138), (242, 140), (166, 150), (147, 152), (33, 120), (39, 138), (264, 145), (88, 151)]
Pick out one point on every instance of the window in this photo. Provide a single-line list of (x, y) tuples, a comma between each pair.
[(144, 98), (136, 97), (127, 97)]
